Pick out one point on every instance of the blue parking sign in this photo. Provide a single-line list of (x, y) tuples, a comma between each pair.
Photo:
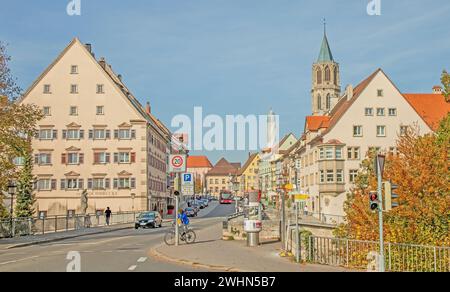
[(188, 177)]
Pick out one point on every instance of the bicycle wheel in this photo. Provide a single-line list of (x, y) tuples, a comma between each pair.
[(190, 237), (169, 238)]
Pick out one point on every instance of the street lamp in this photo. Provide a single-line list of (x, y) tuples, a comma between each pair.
[(11, 191)]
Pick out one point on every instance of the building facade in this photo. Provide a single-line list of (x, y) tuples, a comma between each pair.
[(248, 176), (199, 166), (97, 137), (222, 177)]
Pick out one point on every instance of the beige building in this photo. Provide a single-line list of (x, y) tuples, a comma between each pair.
[(97, 137), (370, 116), (199, 166), (222, 177)]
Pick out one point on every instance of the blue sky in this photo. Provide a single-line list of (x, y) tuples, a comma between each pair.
[(234, 56)]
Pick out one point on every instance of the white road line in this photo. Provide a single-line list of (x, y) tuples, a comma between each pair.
[(21, 260), (142, 260), (132, 268)]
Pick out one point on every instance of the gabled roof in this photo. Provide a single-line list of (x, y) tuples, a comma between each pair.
[(431, 107), (314, 123), (248, 163), (198, 162), (223, 168)]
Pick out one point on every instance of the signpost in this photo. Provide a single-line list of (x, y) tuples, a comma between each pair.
[(187, 185), (380, 161), (299, 198)]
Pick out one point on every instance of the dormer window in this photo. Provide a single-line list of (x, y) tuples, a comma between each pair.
[(47, 89), (380, 93), (100, 89)]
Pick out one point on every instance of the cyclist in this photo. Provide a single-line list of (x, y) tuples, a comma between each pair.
[(183, 221)]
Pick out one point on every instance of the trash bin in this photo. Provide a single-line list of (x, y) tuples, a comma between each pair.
[(253, 229)]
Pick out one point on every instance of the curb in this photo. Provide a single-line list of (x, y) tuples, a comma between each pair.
[(19, 245), (158, 255)]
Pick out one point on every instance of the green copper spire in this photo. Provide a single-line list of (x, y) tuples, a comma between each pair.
[(325, 51)]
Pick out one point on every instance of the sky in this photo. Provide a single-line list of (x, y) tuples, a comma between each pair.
[(233, 56)]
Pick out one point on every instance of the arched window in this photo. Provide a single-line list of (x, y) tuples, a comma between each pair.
[(328, 102), (327, 74), (335, 76), (319, 76), (319, 102)]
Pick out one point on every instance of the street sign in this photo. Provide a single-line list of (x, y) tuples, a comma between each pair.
[(299, 198), (187, 190), (188, 179), (177, 163)]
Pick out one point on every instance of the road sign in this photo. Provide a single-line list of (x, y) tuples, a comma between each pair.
[(188, 179), (188, 190), (177, 163), (299, 198)]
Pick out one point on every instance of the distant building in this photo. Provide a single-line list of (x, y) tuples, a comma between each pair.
[(199, 166), (248, 175), (223, 176), (95, 136)]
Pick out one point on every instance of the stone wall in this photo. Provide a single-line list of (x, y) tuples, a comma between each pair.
[(234, 230)]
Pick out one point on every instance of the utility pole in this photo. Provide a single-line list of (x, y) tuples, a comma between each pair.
[(380, 165)]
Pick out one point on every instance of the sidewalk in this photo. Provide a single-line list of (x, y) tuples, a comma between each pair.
[(212, 253), (10, 243)]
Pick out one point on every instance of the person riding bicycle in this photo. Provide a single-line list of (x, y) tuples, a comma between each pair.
[(183, 220)]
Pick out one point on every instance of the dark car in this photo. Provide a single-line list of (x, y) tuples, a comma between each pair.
[(148, 220), (190, 212), (196, 207)]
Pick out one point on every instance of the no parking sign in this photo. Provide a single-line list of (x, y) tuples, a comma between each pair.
[(177, 163)]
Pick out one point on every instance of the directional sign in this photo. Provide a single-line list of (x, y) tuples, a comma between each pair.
[(188, 190), (177, 163), (301, 198)]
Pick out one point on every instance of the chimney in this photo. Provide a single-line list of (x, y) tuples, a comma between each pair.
[(437, 89), (349, 91), (102, 62), (89, 47), (120, 77), (148, 108)]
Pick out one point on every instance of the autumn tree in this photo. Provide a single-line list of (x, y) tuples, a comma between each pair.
[(420, 169), (17, 128), (445, 79)]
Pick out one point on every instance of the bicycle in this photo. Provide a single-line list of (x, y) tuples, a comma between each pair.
[(187, 235)]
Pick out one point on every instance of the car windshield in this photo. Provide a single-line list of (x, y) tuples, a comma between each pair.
[(226, 196), (147, 216)]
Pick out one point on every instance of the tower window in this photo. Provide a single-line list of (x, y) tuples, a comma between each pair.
[(335, 76), (327, 74), (319, 76), (328, 102), (319, 102)]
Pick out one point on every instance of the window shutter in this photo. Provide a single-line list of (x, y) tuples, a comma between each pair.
[(36, 159), (64, 158), (63, 184), (81, 158), (133, 134), (64, 134), (90, 184), (49, 159), (107, 183), (133, 157), (108, 134), (37, 135), (55, 134), (54, 184), (133, 183), (116, 134), (80, 184), (96, 158), (81, 134), (116, 157), (91, 134), (116, 183), (108, 157), (35, 184)]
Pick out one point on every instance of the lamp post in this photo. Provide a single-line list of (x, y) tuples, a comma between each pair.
[(12, 191)]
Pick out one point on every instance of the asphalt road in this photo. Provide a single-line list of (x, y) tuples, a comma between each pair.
[(120, 251)]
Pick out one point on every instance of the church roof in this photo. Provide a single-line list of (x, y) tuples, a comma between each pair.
[(325, 51)]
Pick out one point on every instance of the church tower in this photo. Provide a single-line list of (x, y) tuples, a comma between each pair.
[(326, 83)]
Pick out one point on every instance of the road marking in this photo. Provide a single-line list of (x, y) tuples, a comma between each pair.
[(16, 261), (142, 260), (132, 268)]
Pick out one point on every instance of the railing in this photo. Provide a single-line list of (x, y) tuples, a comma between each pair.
[(358, 254), (33, 226)]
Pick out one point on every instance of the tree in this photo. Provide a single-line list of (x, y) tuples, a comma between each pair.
[(198, 185), (17, 127), (420, 169), (25, 198), (445, 79)]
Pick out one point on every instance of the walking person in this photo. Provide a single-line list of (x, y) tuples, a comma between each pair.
[(305, 210), (108, 215)]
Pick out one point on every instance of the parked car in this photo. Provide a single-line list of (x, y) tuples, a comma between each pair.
[(148, 220), (190, 212), (196, 207), (206, 202)]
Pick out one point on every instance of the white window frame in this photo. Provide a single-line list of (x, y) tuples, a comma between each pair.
[(70, 185), (100, 110), (381, 112), (47, 160), (44, 185), (340, 176), (72, 112), (72, 71), (124, 131), (98, 184), (394, 110), (46, 137), (369, 112), (74, 162), (124, 183), (100, 89), (47, 89), (74, 89), (360, 132), (97, 136), (330, 174), (47, 111), (124, 157), (383, 134), (73, 134)]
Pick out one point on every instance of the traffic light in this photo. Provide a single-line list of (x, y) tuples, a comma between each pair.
[(390, 193), (374, 201)]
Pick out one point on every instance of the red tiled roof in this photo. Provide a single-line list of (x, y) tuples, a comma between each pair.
[(223, 168), (431, 107), (314, 123), (198, 162)]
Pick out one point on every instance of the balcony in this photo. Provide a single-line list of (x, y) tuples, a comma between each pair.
[(332, 188)]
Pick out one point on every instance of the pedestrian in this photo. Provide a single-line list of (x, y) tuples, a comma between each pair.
[(108, 215), (306, 210)]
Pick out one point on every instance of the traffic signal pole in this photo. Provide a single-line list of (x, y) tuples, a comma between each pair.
[(380, 215)]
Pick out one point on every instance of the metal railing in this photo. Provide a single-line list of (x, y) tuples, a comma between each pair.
[(35, 226), (357, 254)]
